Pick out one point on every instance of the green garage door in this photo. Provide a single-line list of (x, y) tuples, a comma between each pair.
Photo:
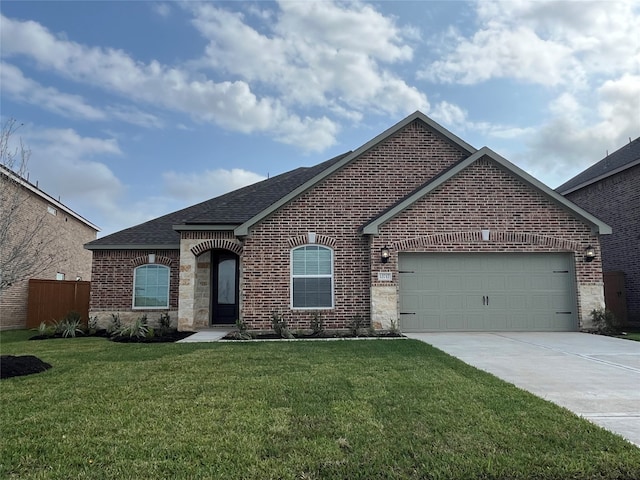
[(487, 292)]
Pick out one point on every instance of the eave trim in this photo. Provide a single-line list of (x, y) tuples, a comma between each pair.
[(243, 229), (373, 227)]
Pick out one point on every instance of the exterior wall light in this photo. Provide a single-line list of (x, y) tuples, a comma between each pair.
[(589, 254), (385, 254)]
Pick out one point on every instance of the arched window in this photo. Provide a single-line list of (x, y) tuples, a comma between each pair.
[(312, 277), (151, 286)]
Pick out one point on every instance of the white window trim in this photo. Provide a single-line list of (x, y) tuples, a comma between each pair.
[(292, 276), (133, 293)]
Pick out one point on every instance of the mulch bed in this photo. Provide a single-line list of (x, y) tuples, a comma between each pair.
[(170, 337), (166, 338), (235, 335), (16, 366)]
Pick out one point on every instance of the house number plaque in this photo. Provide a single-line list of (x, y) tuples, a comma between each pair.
[(385, 276)]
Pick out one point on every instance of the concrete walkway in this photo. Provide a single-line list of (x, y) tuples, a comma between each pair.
[(205, 336), (594, 376)]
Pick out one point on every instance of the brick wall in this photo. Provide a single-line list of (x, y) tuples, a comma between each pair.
[(112, 282), (60, 237), (335, 210), (483, 196), (616, 201)]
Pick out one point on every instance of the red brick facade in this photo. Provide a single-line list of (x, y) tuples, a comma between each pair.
[(616, 200), (109, 296), (483, 196)]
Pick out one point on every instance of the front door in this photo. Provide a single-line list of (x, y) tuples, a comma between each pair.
[(224, 296)]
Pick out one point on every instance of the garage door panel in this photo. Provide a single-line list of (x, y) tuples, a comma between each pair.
[(524, 292)]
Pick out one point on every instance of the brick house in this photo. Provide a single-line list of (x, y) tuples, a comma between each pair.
[(416, 227), (59, 236), (610, 189)]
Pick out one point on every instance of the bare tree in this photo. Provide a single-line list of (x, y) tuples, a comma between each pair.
[(27, 244)]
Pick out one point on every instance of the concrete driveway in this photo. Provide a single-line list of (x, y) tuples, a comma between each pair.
[(594, 376)]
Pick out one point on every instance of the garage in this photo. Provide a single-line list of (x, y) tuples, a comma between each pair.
[(487, 292)]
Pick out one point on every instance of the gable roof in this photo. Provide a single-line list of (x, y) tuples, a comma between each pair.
[(243, 208), (622, 159), (373, 227), (452, 138), (35, 190), (220, 213)]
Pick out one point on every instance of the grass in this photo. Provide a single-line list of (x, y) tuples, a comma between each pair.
[(375, 409), (632, 336)]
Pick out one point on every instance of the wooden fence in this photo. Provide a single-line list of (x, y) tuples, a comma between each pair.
[(615, 296), (51, 300)]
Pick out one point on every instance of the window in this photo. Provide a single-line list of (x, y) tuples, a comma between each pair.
[(59, 276), (312, 277), (151, 286)]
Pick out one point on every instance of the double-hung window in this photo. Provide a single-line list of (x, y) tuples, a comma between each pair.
[(312, 277), (151, 286)]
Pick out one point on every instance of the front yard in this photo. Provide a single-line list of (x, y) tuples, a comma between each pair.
[(371, 409)]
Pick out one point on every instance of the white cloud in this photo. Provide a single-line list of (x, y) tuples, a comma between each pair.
[(230, 104), (546, 43), (197, 187), (161, 9), (17, 86), (23, 89), (315, 54)]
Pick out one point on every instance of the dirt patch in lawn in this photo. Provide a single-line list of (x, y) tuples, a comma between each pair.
[(17, 366)]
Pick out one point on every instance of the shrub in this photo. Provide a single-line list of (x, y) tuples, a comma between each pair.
[(93, 324), (317, 323), (138, 328), (69, 327), (242, 334), (45, 330), (115, 325), (279, 325), (394, 327), (604, 321), (356, 324), (164, 323)]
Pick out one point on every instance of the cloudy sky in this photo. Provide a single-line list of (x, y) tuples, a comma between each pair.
[(135, 109)]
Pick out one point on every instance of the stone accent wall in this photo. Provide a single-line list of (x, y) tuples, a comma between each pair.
[(60, 237), (335, 210), (195, 274), (519, 219), (616, 201)]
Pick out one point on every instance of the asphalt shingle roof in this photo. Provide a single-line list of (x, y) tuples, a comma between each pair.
[(618, 159), (233, 208)]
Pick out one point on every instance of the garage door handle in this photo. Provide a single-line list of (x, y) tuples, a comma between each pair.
[(487, 299)]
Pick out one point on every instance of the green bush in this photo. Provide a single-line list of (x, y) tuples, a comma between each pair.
[(138, 328), (45, 329), (605, 321), (317, 323), (69, 327), (280, 326)]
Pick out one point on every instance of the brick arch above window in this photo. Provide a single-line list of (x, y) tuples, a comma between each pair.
[(475, 237), (306, 240), (144, 259), (217, 243)]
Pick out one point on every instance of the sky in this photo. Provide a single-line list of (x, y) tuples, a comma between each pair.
[(136, 109)]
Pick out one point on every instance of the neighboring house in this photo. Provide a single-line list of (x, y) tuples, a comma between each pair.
[(58, 235), (610, 189), (415, 227)]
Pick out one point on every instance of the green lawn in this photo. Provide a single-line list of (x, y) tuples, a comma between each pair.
[(632, 336), (374, 409)]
